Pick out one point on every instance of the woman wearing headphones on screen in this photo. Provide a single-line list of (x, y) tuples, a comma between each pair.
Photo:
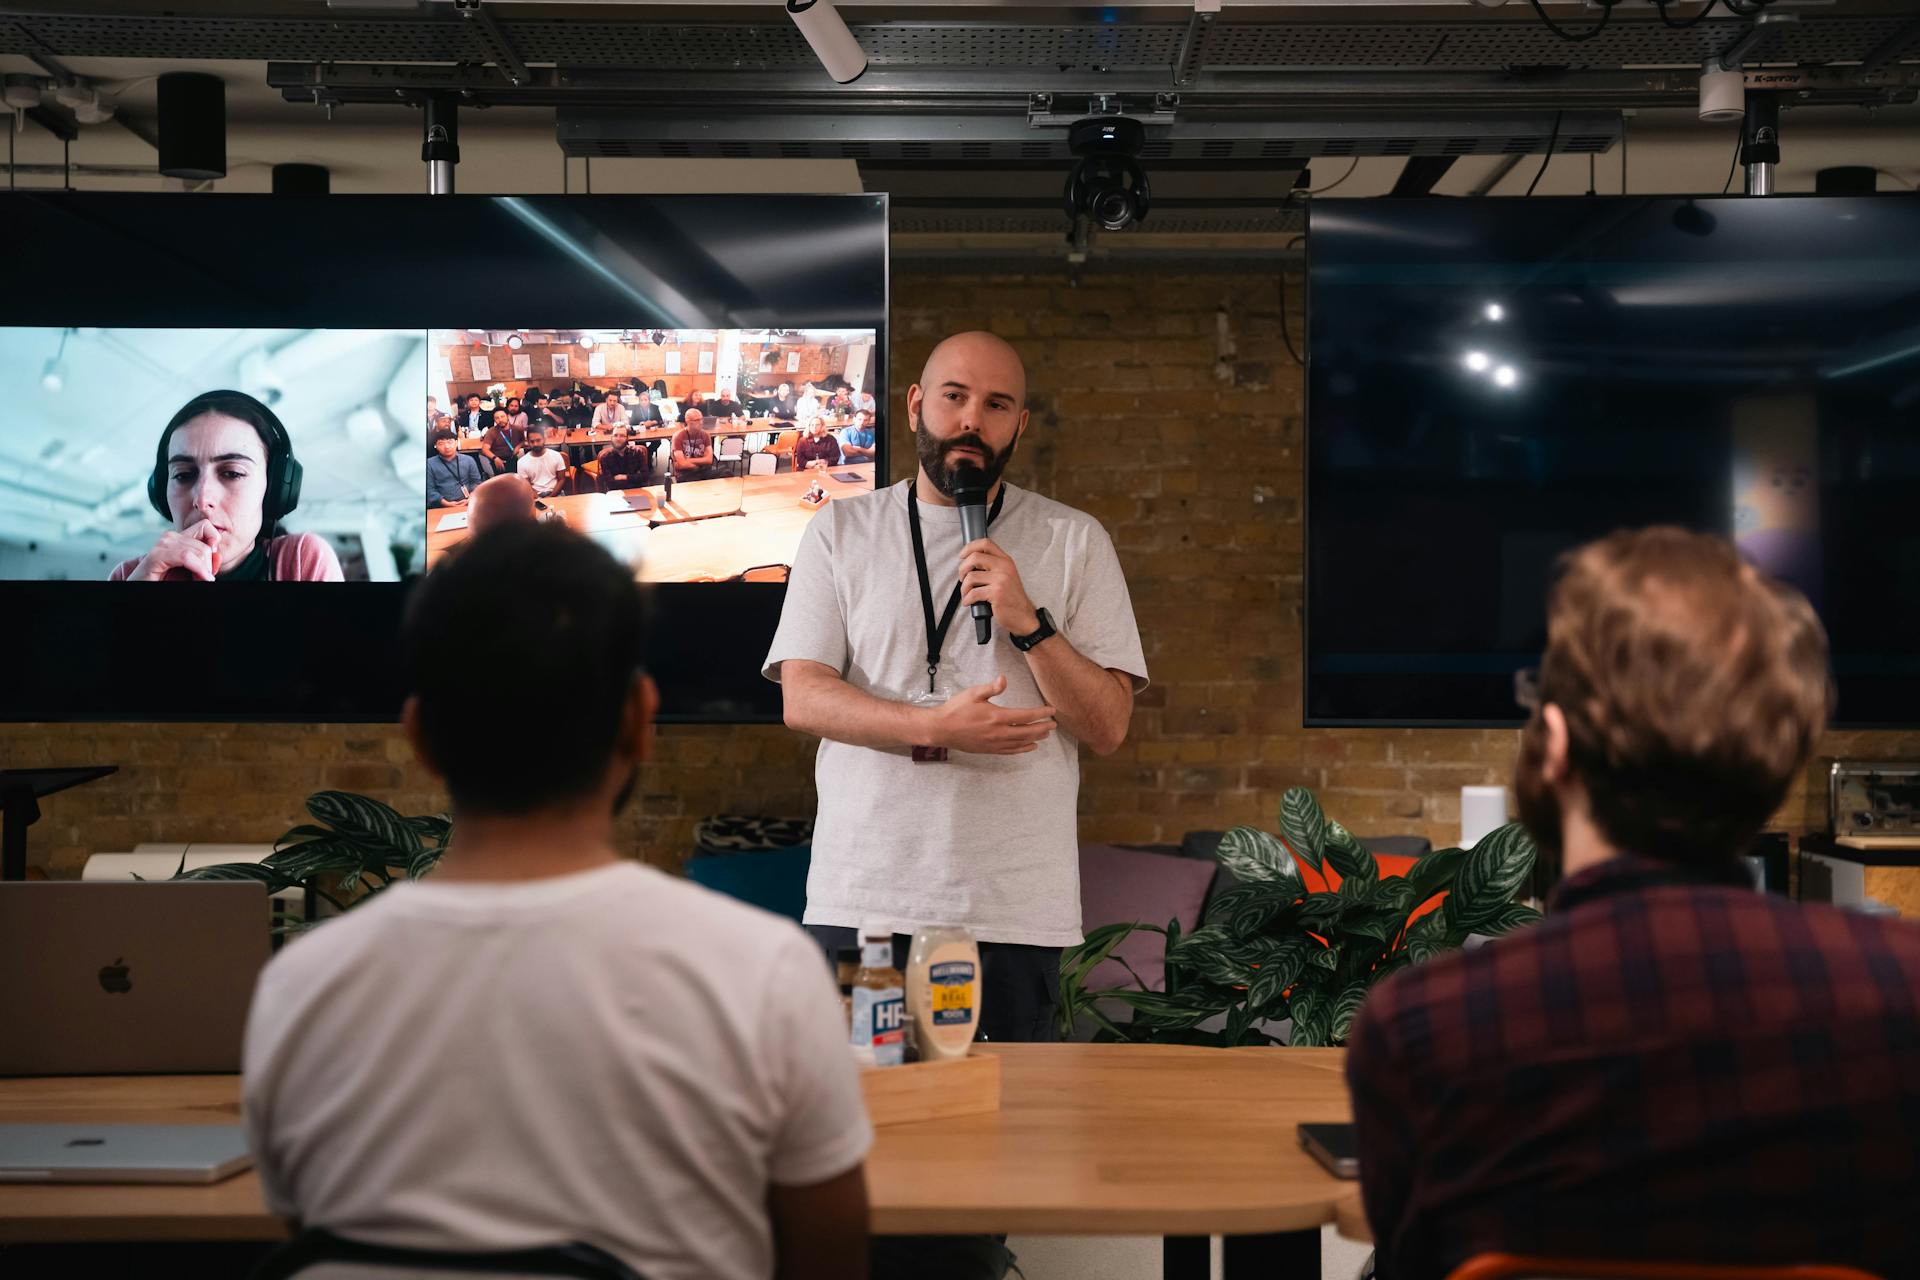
[(224, 473)]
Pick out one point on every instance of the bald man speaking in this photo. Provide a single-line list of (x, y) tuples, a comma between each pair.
[(948, 770)]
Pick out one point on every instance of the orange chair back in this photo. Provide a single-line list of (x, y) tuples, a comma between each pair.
[(1507, 1266)]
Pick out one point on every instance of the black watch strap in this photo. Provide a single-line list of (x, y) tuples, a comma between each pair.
[(1024, 643)]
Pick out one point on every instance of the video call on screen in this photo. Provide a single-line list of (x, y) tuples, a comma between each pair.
[(99, 486), (236, 389)]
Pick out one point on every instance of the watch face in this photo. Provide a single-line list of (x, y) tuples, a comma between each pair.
[(1041, 633)]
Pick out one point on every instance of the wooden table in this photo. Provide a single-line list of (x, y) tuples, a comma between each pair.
[(1089, 1139), (685, 539)]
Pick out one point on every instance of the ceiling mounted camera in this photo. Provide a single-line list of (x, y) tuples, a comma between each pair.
[(1107, 185)]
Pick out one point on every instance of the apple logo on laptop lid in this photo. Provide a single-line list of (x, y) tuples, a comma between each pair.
[(113, 977)]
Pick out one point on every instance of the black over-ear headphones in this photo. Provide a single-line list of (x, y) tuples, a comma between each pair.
[(283, 469)]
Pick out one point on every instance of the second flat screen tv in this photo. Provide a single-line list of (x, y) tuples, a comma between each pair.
[(1494, 382), (242, 425)]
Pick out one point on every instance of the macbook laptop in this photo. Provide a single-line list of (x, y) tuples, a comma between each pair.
[(102, 978), (121, 1152)]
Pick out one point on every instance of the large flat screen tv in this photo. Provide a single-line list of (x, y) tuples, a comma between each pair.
[(240, 426), (1493, 382)]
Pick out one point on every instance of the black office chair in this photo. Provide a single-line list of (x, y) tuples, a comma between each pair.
[(314, 1247)]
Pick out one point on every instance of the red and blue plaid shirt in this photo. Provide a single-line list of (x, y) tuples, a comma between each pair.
[(1665, 1067)]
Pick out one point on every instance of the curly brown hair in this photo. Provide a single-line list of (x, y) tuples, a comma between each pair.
[(1694, 688)]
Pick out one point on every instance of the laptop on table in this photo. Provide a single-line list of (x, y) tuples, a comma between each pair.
[(140, 978), (178, 1153)]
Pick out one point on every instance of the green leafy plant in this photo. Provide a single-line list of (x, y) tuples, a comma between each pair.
[(363, 847), (1271, 948)]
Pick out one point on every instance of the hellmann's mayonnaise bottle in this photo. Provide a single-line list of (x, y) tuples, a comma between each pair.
[(943, 992)]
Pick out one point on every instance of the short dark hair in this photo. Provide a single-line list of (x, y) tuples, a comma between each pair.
[(530, 587), (442, 434)]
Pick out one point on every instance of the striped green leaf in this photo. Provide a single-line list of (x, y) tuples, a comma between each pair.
[(1303, 824), (1492, 872), (365, 820), (1345, 1006), (1247, 908), (1255, 857), (1347, 855)]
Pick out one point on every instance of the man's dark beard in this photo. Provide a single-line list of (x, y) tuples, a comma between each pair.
[(1538, 805), (934, 453)]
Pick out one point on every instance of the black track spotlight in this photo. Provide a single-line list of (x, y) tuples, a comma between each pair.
[(193, 125), (1107, 185)]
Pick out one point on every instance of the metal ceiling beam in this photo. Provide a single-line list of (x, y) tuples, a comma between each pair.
[(1174, 39), (1245, 93), (499, 45), (1193, 46), (1890, 48)]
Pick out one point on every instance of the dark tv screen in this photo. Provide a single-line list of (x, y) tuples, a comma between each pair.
[(1494, 382), (223, 472)]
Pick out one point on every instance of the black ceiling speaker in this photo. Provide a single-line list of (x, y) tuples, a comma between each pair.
[(193, 125), (301, 180)]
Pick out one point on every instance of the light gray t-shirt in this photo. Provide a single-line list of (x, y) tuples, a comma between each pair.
[(984, 841), (615, 1056)]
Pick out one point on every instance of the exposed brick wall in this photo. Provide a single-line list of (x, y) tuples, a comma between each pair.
[(1195, 469)]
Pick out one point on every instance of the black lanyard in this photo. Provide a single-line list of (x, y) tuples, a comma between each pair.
[(937, 633)]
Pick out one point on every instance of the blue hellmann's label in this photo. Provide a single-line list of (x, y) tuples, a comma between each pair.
[(880, 1021), (952, 991)]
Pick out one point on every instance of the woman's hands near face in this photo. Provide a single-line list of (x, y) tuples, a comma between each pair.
[(181, 554)]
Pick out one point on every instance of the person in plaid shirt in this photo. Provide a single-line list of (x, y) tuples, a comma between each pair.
[(1670, 1065)]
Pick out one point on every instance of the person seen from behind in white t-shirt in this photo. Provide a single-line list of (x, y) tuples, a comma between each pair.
[(543, 1042)]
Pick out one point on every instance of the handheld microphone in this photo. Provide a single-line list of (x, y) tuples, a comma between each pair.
[(970, 494)]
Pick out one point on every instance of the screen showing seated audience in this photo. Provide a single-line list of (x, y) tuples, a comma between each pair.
[(242, 426), (695, 455)]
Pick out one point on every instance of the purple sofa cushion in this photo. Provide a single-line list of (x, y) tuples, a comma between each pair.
[(1151, 888)]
